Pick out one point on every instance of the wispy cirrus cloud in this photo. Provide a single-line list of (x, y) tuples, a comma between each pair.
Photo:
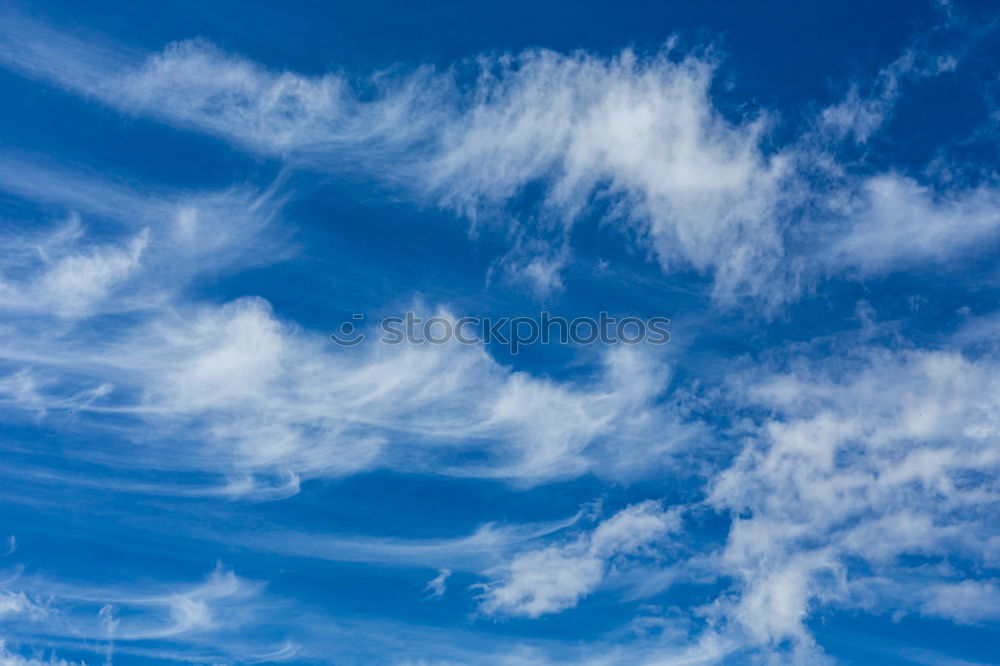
[(862, 464), (846, 477), (116, 247), (484, 548), (258, 397), (551, 579), (641, 132), (202, 621), (635, 139)]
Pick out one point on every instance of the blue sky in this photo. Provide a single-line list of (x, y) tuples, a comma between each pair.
[(194, 196)]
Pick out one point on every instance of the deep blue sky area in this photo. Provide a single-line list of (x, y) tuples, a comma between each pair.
[(195, 195)]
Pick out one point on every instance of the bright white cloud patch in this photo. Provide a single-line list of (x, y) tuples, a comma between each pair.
[(263, 399), (894, 222), (71, 283), (552, 579), (863, 464), (124, 248)]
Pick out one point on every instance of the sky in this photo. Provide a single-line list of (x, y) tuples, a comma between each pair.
[(198, 199)]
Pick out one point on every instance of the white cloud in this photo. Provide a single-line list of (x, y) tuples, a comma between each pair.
[(484, 548), (10, 658), (867, 459), (16, 603), (554, 578), (860, 116), (641, 133), (967, 602), (437, 586), (263, 403), (207, 621), (636, 139), (123, 248), (71, 283), (893, 222)]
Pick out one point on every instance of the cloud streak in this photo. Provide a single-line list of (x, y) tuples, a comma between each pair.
[(635, 140)]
